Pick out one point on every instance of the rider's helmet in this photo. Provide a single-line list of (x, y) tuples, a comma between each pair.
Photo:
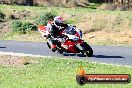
[(58, 21)]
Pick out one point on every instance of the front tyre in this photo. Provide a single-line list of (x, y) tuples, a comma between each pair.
[(48, 45), (87, 49)]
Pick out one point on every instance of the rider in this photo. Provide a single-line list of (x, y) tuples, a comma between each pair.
[(56, 27)]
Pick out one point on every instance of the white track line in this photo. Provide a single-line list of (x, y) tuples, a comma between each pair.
[(20, 54)]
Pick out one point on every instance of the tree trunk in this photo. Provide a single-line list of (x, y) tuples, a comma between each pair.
[(122, 2), (128, 3)]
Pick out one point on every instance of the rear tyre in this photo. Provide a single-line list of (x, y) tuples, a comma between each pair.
[(87, 49), (54, 49), (60, 51)]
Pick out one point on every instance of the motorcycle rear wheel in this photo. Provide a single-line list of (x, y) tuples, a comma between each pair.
[(87, 49)]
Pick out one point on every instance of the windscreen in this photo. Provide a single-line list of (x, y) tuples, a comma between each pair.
[(70, 30)]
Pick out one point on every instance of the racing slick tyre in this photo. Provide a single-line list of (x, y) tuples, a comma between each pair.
[(87, 49), (60, 51), (54, 49)]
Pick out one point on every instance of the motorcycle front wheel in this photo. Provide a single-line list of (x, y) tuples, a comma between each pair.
[(48, 45), (87, 49)]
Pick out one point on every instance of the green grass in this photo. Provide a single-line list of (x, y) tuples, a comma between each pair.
[(77, 14), (32, 36), (56, 73), (72, 11), (83, 18)]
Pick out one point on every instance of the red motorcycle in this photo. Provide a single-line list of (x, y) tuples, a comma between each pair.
[(71, 42)]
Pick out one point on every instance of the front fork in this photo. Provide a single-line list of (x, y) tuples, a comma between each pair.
[(49, 41), (80, 48)]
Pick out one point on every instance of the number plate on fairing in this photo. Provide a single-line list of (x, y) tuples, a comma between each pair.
[(79, 46)]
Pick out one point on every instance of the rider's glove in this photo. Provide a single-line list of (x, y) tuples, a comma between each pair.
[(61, 39)]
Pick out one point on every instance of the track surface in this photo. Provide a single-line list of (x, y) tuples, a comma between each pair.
[(116, 55)]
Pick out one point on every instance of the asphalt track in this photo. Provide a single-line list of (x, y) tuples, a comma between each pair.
[(117, 55)]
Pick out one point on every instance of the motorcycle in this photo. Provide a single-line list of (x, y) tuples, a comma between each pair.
[(71, 42)]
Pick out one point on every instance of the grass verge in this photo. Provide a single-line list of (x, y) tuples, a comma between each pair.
[(107, 27), (56, 73), (32, 36)]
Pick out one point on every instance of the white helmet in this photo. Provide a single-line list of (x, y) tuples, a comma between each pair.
[(58, 21)]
